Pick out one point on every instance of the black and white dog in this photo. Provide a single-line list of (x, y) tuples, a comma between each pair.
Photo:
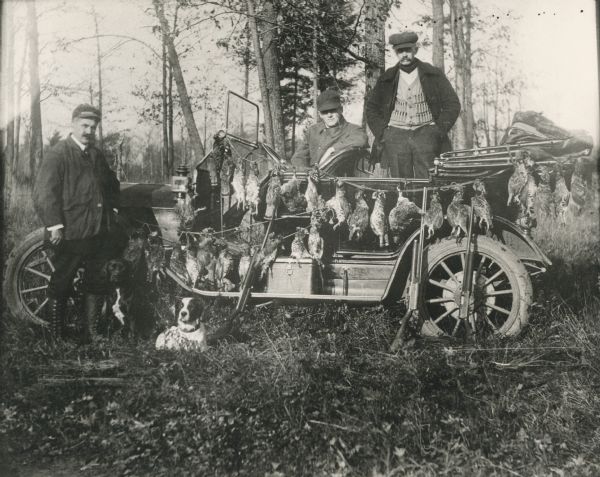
[(190, 332)]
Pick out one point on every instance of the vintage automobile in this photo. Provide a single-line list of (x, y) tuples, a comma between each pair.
[(434, 274)]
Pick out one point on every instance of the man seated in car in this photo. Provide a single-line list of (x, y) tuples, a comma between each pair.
[(333, 133)]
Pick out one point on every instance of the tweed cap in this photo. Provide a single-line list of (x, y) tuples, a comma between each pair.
[(328, 99), (86, 111), (405, 39)]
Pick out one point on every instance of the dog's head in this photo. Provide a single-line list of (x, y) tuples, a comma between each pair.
[(117, 271), (190, 313)]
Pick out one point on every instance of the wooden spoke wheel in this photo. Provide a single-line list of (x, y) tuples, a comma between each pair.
[(26, 279), (501, 293)]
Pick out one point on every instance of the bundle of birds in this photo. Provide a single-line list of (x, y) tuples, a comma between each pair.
[(298, 249), (313, 200), (155, 258), (339, 204), (268, 254), (273, 197), (403, 216), (239, 184), (252, 188), (378, 219), (434, 217), (291, 196), (561, 194), (544, 202), (481, 207), (457, 214), (224, 266), (206, 255), (358, 221)]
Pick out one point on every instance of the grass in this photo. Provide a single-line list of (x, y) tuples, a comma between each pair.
[(315, 391)]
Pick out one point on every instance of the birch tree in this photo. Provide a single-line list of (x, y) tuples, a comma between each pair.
[(36, 143)]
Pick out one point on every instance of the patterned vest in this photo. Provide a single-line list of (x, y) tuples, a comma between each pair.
[(411, 109)]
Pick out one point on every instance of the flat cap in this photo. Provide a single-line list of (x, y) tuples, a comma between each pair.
[(328, 99), (86, 111), (404, 39)]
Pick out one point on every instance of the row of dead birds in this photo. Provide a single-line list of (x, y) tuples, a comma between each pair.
[(531, 188)]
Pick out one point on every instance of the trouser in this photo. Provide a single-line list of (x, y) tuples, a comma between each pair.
[(410, 152), (91, 254)]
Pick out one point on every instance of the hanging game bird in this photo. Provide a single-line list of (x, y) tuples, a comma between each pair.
[(457, 214), (245, 259), (339, 204), (268, 254), (481, 207), (561, 195), (313, 200), (358, 221), (518, 180), (403, 216), (223, 267), (273, 197), (378, 219), (206, 255), (177, 262), (155, 258), (316, 244), (544, 202), (136, 248), (191, 265), (291, 196), (252, 188), (298, 249), (239, 184), (434, 217)]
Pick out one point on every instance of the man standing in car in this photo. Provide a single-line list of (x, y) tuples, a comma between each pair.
[(410, 111), (329, 135), (76, 195)]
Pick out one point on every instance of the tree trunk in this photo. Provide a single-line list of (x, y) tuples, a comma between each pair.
[(315, 68), (468, 100), (271, 62), (262, 78), (294, 111), (18, 109), (165, 112), (458, 53), (375, 16), (99, 65), (171, 121), (35, 152), (438, 33), (184, 99), (8, 91)]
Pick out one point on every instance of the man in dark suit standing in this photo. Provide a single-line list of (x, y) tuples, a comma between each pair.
[(410, 111), (76, 196)]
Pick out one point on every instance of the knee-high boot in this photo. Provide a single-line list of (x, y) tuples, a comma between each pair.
[(92, 312), (55, 314)]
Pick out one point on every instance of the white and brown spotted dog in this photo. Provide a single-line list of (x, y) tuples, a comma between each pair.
[(190, 332)]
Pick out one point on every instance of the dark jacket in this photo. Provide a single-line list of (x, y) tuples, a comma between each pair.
[(75, 190), (439, 94), (318, 138)]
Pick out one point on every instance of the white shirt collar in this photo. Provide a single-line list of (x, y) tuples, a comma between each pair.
[(81, 146)]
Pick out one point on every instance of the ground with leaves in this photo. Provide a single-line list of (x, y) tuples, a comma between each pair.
[(315, 391)]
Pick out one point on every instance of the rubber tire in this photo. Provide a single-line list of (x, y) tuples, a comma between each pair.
[(15, 262), (514, 268)]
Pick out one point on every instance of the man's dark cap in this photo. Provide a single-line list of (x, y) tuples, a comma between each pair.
[(405, 39), (329, 99), (86, 111)]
